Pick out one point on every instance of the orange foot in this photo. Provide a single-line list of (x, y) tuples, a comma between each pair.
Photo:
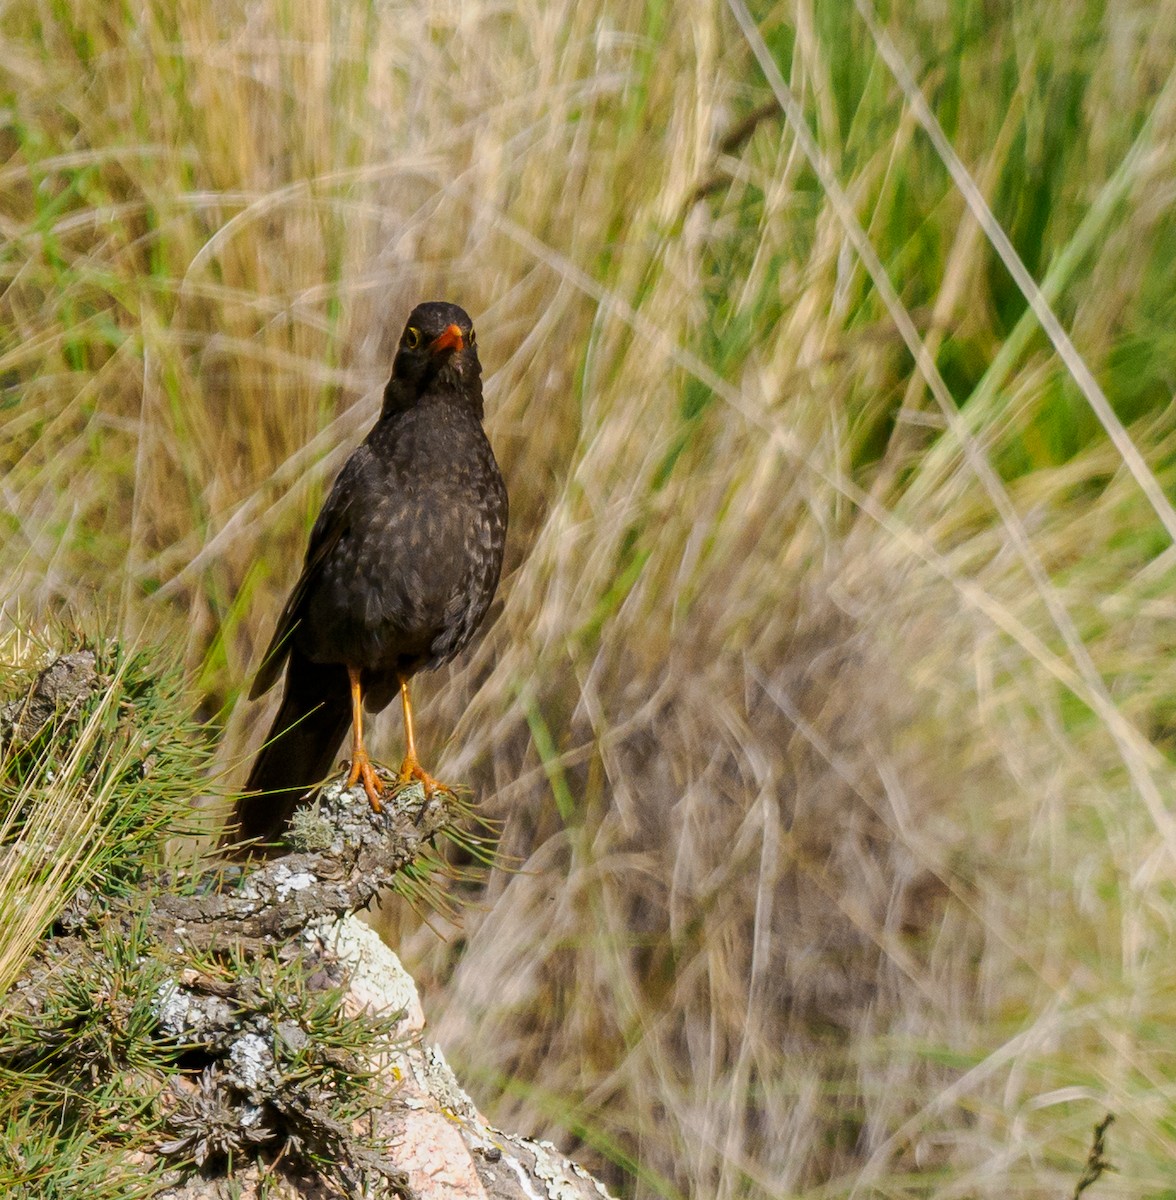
[(411, 770), (362, 769)]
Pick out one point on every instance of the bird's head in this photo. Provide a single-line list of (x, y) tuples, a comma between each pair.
[(438, 349)]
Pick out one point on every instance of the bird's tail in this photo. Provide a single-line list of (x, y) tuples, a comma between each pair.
[(299, 749)]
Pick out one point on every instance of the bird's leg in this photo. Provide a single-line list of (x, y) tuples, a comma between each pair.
[(361, 765), (411, 768)]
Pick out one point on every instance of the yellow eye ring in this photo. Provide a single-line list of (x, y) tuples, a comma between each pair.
[(412, 337), (473, 336)]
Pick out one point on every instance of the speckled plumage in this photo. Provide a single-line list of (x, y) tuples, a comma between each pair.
[(402, 565)]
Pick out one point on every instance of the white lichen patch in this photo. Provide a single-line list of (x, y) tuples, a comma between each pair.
[(552, 1177), (564, 1179), (524, 1179), (377, 980), (287, 882), (172, 1007), (436, 1076), (252, 1061), (251, 1115), (186, 1017)]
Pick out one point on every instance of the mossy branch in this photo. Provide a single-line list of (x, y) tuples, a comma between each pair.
[(227, 1029)]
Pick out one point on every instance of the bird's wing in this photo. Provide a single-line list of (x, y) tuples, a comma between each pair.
[(330, 526)]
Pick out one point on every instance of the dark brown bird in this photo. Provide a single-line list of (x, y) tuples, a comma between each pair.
[(402, 565)]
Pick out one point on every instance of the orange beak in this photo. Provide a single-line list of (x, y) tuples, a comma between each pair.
[(451, 339)]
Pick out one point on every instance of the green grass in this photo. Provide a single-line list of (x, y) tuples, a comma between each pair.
[(91, 800), (830, 712)]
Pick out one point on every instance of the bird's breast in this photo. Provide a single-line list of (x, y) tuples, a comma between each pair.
[(415, 568)]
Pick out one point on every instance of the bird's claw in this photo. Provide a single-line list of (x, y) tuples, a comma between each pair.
[(363, 771), (411, 771)]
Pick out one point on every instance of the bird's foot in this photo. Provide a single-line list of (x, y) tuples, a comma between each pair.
[(362, 770), (411, 771)]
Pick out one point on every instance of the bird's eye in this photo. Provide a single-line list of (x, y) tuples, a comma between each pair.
[(473, 336), (412, 337)]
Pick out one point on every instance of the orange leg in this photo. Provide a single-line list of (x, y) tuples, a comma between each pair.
[(411, 768), (361, 765)]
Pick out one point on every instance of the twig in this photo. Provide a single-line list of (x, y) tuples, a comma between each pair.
[(1096, 1164)]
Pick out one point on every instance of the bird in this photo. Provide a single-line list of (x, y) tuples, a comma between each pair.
[(401, 567)]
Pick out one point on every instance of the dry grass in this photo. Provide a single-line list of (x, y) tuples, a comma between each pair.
[(829, 711), (91, 791)]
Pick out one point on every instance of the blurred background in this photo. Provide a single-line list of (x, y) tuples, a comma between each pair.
[(830, 712)]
